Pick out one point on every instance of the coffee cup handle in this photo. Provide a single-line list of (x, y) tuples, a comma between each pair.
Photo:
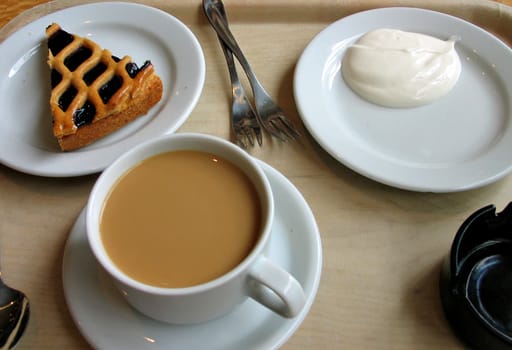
[(275, 288)]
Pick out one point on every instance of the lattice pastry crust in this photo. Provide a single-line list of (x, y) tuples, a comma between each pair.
[(93, 92)]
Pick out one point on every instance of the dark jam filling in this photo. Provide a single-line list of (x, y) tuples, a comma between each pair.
[(55, 78), (109, 88), (94, 73), (133, 70), (78, 57), (58, 41), (84, 115), (67, 97)]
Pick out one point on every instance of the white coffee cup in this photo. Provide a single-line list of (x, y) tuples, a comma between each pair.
[(256, 276)]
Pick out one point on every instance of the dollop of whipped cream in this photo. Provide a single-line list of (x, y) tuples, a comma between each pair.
[(394, 68)]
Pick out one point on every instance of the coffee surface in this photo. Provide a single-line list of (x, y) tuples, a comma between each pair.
[(180, 219)]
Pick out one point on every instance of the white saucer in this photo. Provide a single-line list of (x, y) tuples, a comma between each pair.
[(461, 141), (26, 138), (108, 322)]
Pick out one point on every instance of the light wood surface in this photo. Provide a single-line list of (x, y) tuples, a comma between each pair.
[(382, 246)]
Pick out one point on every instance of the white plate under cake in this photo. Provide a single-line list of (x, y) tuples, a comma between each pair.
[(26, 137)]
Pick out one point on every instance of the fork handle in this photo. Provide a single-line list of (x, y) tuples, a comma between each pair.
[(216, 14), (233, 75)]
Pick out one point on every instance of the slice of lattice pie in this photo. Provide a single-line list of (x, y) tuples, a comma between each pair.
[(93, 92)]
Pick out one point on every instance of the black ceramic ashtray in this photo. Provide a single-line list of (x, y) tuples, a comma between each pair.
[(476, 280)]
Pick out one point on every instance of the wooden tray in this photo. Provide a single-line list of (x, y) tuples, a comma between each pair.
[(389, 301), (490, 15)]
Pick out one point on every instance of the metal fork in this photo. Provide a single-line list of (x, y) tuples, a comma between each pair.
[(244, 121), (270, 115)]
